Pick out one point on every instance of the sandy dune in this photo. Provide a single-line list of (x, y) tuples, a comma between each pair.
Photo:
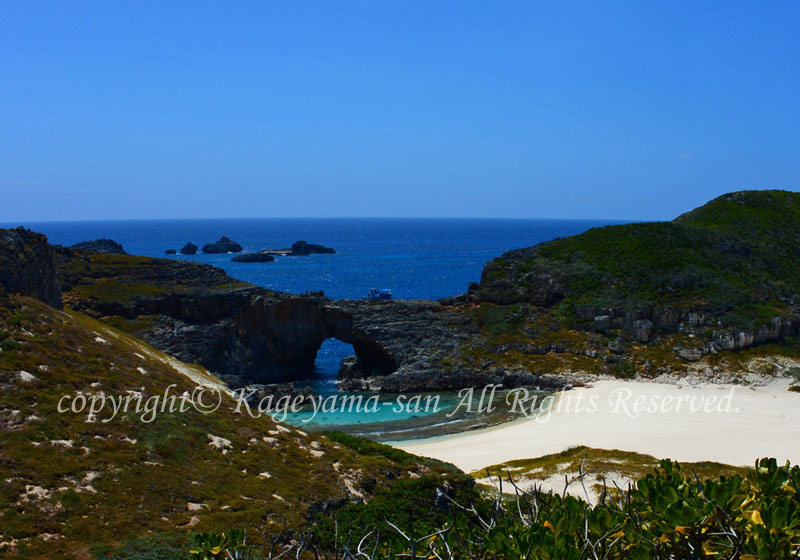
[(723, 423)]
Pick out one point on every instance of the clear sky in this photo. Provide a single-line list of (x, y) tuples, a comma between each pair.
[(628, 110)]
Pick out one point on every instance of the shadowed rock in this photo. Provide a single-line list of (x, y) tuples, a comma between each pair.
[(27, 266), (189, 249), (253, 257), (224, 245), (302, 248), (100, 246)]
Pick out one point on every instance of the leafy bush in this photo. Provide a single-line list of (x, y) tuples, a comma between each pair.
[(624, 369), (369, 447), (154, 547), (9, 344), (410, 503), (669, 514)]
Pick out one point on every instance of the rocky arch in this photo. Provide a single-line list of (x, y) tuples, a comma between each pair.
[(371, 357), (277, 341)]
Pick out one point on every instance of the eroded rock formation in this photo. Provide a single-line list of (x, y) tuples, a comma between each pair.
[(27, 266)]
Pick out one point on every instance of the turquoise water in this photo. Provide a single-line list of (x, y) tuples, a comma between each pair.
[(416, 258), (431, 414)]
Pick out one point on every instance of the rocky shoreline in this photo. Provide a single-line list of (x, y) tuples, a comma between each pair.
[(526, 323)]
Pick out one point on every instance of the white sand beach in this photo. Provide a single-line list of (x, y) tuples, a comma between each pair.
[(731, 424)]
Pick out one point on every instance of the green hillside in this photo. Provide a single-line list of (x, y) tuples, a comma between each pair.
[(735, 258), (68, 485)]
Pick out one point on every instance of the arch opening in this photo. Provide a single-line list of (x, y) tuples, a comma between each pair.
[(327, 362)]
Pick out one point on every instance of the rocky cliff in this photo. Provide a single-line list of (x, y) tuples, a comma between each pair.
[(247, 334), (725, 274), (639, 299), (27, 265)]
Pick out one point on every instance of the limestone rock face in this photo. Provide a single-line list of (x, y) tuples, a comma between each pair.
[(224, 245), (642, 329), (689, 354), (27, 266), (189, 249), (100, 246)]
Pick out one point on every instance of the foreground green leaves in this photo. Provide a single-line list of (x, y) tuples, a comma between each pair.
[(669, 514)]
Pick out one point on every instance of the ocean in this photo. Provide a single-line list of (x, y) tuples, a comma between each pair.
[(415, 258)]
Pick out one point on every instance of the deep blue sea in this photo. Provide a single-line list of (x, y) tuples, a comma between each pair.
[(415, 258)]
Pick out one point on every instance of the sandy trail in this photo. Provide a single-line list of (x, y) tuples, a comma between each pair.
[(730, 424)]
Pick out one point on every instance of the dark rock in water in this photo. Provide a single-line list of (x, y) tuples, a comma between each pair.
[(349, 369), (189, 249), (171, 251), (28, 266), (100, 246), (302, 248), (254, 257), (224, 245)]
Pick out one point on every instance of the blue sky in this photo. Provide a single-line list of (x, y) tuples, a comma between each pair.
[(620, 110)]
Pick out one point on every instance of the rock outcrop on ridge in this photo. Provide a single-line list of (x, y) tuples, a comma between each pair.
[(27, 266), (724, 274)]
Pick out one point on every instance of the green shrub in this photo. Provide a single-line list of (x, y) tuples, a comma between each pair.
[(666, 515), (624, 369), (70, 498), (369, 447), (9, 344), (153, 547)]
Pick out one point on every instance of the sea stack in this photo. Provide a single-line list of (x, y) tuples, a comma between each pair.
[(224, 245), (189, 249)]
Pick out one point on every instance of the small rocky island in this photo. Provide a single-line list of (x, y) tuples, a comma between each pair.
[(300, 249), (189, 249), (224, 245), (254, 257), (108, 246)]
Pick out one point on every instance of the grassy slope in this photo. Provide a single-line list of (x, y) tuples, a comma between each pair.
[(735, 257), (600, 465), (101, 482), (110, 278)]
